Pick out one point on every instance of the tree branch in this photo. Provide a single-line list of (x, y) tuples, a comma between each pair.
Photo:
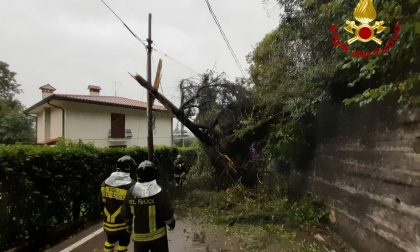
[(191, 99), (203, 137)]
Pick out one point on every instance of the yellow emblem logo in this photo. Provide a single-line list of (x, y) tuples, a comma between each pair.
[(365, 13)]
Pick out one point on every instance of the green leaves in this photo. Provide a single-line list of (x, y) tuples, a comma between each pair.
[(8, 85), (40, 184), (405, 91), (296, 69), (14, 125)]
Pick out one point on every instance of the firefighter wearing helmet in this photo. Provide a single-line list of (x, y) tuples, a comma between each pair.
[(148, 211), (180, 171), (113, 192)]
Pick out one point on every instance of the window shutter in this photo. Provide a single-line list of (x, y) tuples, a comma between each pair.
[(117, 126)]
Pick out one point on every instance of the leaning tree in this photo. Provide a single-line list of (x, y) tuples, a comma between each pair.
[(217, 105)]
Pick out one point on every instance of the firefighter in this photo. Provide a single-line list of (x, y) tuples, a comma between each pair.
[(113, 192), (148, 211), (180, 171)]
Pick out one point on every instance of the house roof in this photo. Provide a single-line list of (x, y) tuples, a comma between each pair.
[(100, 100)]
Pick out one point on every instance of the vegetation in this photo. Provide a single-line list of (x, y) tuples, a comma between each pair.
[(217, 105), (8, 85), (43, 188), (15, 127), (260, 218), (298, 73), (300, 82), (219, 102)]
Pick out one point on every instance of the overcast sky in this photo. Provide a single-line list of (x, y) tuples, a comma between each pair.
[(71, 44)]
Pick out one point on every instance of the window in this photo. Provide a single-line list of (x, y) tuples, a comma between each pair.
[(117, 126)]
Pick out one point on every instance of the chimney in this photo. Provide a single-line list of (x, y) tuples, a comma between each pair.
[(94, 90), (47, 90)]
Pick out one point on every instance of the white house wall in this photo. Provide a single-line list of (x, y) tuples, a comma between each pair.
[(136, 121), (91, 123), (40, 128), (56, 123), (162, 135)]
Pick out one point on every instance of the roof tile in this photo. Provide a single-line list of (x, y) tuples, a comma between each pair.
[(108, 100)]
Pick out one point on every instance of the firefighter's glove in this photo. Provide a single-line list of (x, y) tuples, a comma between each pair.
[(171, 223)]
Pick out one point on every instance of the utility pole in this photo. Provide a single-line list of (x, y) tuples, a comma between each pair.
[(181, 90), (149, 96), (182, 125)]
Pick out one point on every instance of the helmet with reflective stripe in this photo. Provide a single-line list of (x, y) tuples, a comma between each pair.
[(146, 171), (126, 164)]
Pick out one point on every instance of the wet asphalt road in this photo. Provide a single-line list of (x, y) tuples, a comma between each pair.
[(187, 237)]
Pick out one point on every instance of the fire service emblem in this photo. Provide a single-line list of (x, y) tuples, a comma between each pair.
[(365, 13), (364, 29)]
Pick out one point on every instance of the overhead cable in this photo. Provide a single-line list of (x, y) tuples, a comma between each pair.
[(126, 26), (225, 38), (144, 44), (175, 60)]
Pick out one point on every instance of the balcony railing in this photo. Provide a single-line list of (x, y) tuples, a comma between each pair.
[(128, 134)]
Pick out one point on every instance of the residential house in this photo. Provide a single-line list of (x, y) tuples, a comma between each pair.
[(105, 121)]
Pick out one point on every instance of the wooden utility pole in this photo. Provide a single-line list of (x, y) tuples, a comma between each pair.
[(149, 96), (182, 125)]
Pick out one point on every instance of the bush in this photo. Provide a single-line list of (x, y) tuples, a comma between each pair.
[(42, 188)]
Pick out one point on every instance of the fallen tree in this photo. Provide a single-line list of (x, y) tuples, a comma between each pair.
[(207, 135)]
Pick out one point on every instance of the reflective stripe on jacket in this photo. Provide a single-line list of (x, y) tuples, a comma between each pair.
[(113, 192), (147, 207)]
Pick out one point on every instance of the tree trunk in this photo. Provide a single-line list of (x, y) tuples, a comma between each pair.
[(223, 164)]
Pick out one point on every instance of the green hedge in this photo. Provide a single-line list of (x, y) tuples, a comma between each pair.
[(43, 188)]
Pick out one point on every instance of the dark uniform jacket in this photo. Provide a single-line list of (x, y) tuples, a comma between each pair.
[(113, 192), (179, 168), (148, 209)]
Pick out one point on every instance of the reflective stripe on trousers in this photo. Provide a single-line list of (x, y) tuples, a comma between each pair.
[(153, 235)]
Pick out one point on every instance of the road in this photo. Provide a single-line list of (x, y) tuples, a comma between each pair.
[(187, 237)]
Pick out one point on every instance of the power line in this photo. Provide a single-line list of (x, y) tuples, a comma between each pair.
[(175, 60), (225, 38), (143, 41), (126, 26), (144, 44)]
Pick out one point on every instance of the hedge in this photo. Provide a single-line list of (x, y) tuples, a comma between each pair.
[(43, 188)]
